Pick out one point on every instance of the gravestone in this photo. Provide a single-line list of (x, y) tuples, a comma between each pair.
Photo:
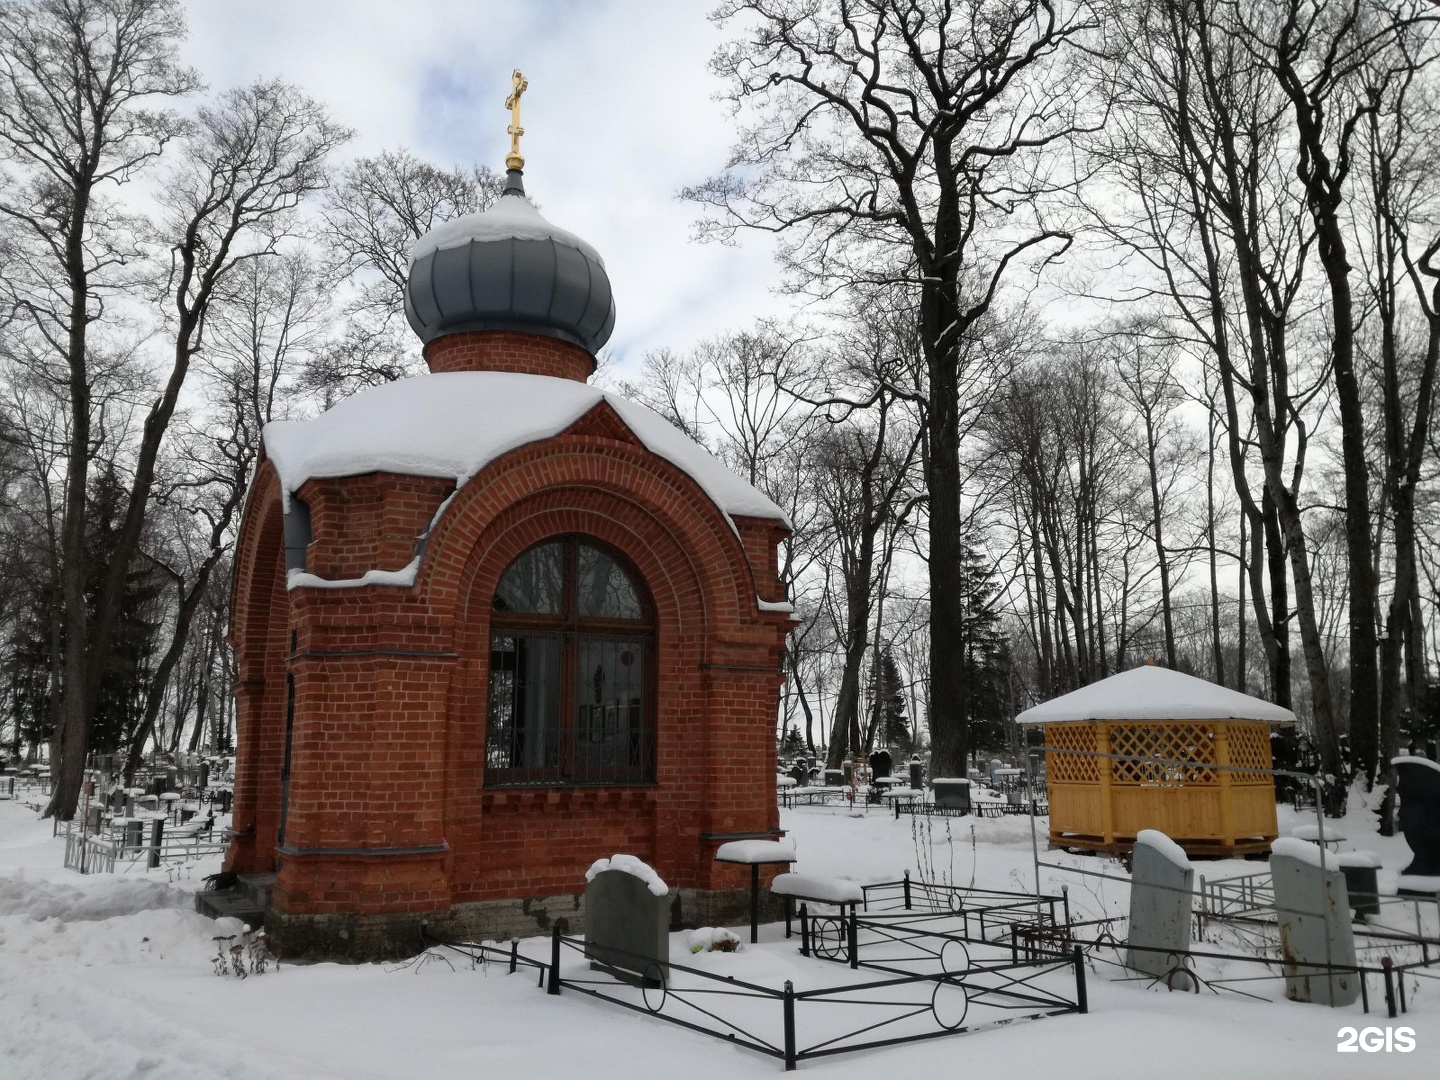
[(1361, 871), (1419, 789), (1162, 898), (951, 793), (1314, 912), (627, 921), (880, 764)]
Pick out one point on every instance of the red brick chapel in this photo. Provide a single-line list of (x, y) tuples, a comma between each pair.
[(493, 623)]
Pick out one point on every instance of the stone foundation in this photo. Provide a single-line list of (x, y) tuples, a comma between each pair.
[(359, 939)]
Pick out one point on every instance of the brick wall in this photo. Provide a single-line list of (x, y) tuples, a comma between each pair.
[(369, 522), (388, 815), (509, 350), (260, 636)]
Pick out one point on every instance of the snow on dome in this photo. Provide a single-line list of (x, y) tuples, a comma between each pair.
[(453, 424), (512, 217), (629, 864), (1154, 693)]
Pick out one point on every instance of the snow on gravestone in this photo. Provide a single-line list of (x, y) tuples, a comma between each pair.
[(1162, 884), (1314, 912), (627, 920)]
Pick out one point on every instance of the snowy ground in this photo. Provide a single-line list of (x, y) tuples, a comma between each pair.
[(110, 976)]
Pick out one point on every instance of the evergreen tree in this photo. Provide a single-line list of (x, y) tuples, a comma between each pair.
[(793, 744), (126, 669), (27, 670), (984, 654), (894, 721)]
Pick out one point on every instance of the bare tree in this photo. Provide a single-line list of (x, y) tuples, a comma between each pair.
[(78, 82), (374, 212), (1200, 148), (1146, 369), (246, 163), (252, 161), (1401, 146), (901, 140), (379, 206), (1317, 54), (863, 470)]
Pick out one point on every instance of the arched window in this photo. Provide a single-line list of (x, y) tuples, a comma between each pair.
[(572, 638)]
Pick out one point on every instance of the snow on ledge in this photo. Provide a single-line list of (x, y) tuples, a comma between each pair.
[(1367, 859), (756, 851), (775, 605), (405, 577), (813, 887), (629, 864)]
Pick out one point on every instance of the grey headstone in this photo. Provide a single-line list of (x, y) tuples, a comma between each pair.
[(622, 913), (1162, 898), (1314, 913)]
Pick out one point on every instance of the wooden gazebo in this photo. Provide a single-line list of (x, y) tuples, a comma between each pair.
[(1138, 751)]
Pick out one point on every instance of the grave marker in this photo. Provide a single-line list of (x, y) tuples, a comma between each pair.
[(1162, 897), (627, 920), (1314, 912)]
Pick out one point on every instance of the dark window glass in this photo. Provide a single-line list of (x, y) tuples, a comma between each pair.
[(603, 589), (571, 699), (534, 582)]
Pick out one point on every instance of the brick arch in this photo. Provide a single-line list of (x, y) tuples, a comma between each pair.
[(655, 504), (259, 635), (505, 841), (672, 582)]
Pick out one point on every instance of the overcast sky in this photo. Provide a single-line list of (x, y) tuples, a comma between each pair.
[(619, 115)]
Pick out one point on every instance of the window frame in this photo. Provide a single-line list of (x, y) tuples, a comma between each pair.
[(573, 630)]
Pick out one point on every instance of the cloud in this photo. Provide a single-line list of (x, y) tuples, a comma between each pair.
[(620, 114)]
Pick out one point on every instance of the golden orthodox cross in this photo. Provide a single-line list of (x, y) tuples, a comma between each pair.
[(514, 160)]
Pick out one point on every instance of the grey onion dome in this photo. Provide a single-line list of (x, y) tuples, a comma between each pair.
[(507, 268)]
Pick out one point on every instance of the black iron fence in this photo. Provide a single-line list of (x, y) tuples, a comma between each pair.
[(925, 979), (934, 980)]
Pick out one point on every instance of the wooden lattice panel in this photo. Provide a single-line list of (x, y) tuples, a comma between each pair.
[(1250, 748), (1071, 768), (1170, 742)]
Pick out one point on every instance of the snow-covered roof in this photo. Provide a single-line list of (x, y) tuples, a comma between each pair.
[(453, 424), (510, 218), (1154, 693)]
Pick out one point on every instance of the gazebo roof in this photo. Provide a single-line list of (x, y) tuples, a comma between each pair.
[(1154, 693)]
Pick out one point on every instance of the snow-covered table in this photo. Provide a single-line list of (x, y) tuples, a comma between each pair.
[(1332, 838), (755, 854), (816, 889)]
